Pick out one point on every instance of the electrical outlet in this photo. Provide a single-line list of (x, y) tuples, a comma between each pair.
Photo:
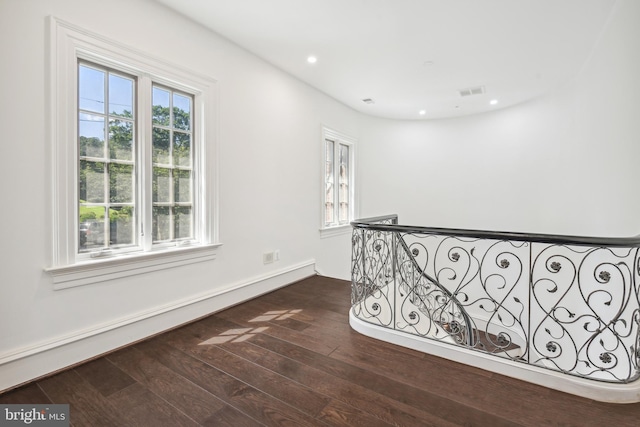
[(276, 255)]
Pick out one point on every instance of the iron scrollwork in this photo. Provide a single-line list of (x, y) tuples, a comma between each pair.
[(540, 301)]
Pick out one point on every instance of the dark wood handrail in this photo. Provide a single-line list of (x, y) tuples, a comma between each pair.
[(374, 224)]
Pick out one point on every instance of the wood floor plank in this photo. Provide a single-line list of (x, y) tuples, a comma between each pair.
[(563, 409), (210, 327), (144, 408), (104, 376), (181, 393), (452, 387), (389, 410), (87, 406), (278, 386), (30, 393), (236, 393), (299, 337), (230, 417), (446, 408), (341, 414), (289, 357)]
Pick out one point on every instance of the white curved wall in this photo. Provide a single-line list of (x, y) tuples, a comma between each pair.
[(566, 163)]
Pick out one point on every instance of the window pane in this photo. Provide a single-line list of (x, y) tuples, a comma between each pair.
[(181, 112), (343, 177), (161, 185), (181, 149), (161, 138), (90, 89), (161, 224), (121, 221), (92, 183), (328, 173), (92, 232), (328, 182), (160, 108), (182, 189), (172, 149), (91, 135), (182, 219), (120, 140), (89, 233), (344, 212), (120, 96), (328, 203), (120, 183)]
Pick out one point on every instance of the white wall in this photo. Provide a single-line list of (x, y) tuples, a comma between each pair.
[(566, 163), (269, 142), (561, 164)]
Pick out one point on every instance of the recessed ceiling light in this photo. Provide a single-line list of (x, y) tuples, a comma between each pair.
[(312, 59), (422, 112), (493, 102)]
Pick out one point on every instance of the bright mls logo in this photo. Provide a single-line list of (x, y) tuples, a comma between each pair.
[(36, 415)]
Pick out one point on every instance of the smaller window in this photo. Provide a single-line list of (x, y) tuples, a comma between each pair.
[(338, 180)]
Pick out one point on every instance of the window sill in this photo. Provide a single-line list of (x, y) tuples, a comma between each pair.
[(335, 231), (95, 271)]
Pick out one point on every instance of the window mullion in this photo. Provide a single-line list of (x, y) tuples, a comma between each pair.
[(172, 172), (144, 164), (107, 168), (336, 183)]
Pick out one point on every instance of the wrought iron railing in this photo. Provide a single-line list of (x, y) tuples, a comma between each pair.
[(565, 303)]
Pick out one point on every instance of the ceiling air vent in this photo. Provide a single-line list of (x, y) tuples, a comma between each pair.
[(478, 90), (368, 101)]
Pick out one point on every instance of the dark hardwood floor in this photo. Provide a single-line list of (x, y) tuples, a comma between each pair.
[(289, 358)]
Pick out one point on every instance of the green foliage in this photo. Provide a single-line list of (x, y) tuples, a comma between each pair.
[(121, 140), (91, 213), (91, 146), (121, 215), (91, 173), (181, 118), (120, 148)]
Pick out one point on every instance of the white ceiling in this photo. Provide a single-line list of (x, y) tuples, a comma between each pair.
[(412, 55)]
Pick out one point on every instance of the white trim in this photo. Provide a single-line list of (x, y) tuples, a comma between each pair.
[(67, 43), (126, 265), (339, 230), (338, 138), (596, 390), (18, 366)]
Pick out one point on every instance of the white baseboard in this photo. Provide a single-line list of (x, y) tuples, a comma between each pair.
[(596, 390), (25, 364)]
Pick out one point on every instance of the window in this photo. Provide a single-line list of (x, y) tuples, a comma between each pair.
[(107, 159), (133, 153), (109, 166), (172, 166), (338, 180)]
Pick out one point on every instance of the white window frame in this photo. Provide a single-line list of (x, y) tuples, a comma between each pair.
[(338, 138), (67, 45)]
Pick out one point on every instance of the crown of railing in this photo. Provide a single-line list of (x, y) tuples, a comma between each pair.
[(378, 223), (565, 303)]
